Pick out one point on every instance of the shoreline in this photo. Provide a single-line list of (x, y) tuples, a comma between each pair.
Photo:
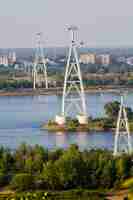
[(89, 127), (92, 125), (59, 91), (56, 128)]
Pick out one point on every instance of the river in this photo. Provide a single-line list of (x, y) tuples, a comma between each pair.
[(22, 116)]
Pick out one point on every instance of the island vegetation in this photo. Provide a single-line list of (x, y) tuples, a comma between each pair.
[(107, 123), (33, 172)]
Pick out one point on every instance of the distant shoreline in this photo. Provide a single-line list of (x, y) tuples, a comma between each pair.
[(58, 91)]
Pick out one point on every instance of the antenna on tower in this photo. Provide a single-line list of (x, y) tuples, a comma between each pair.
[(122, 131), (39, 61), (73, 83)]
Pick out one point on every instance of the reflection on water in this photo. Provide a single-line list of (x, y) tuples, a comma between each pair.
[(60, 139), (82, 139), (21, 118)]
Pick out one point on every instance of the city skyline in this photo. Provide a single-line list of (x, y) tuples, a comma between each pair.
[(101, 23)]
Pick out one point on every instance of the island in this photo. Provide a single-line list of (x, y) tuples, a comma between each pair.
[(106, 123)]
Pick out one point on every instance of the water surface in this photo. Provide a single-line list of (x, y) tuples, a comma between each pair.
[(21, 118)]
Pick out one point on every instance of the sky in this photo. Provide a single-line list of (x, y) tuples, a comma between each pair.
[(101, 22)]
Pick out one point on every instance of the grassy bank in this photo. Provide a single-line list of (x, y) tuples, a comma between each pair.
[(77, 194)]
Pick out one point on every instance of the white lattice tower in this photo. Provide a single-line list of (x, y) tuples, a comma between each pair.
[(39, 62), (122, 131), (73, 80)]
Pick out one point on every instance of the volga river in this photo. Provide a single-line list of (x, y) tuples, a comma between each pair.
[(21, 118)]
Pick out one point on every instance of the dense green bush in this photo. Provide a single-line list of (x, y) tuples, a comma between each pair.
[(108, 123), (86, 169), (21, 182), (72, 124), (3, 179)]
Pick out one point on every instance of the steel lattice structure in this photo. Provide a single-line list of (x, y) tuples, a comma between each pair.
[(39, 62), (122, 131), (73, 80)]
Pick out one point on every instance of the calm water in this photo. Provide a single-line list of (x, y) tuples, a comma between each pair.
[(21, 117)]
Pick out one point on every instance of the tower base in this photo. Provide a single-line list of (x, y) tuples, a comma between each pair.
[(60, 119), (82, 119)]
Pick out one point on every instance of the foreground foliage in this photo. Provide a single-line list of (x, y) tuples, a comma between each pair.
[(33, 168)]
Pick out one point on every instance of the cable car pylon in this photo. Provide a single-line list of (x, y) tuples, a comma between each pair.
[(39, 62), (122, 131), (73, 98)]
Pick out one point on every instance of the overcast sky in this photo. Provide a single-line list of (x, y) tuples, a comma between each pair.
[(101, 22)]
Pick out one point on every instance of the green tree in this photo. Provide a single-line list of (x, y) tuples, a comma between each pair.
[(71, 168), (107, 175), (50, 177), (123, 166), (112, 109), (6, 161)]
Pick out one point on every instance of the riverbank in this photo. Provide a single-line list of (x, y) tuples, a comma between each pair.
[(59, 90)]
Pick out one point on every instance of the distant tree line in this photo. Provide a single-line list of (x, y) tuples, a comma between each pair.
[(15, 84), (57, 73), (111, 68)]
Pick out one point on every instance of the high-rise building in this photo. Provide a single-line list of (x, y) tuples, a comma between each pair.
[(129, 60), (87, 58), (4, 60), (104, 59), (12, 57)]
